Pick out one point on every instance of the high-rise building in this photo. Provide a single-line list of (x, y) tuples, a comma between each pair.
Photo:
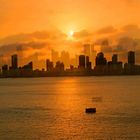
[(131, 57), (100, 59), (88, 63), (114, 58), (4, 68), (90, 51), (82, 61), (14, 61), (87, 60), (49, 65), (59, 66), (19, 50)]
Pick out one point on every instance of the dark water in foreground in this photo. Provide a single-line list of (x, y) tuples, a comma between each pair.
[(54, 108)]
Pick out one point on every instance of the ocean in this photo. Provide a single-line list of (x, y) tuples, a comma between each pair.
[(54, 108)]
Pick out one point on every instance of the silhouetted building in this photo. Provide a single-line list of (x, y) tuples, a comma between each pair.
[(88, 63), (87, 59), (5, 70), (89, 51), (130, 67), (114, 58), (14, 61), (19, 50), (131, 57), (29, 66), (59, 66), (100, 59), (49, 65), (82, 62), (101, 64)]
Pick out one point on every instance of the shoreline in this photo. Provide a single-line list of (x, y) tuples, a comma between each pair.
[(59, 76)]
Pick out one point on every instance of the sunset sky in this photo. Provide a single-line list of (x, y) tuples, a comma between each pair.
[(67, 24), (17, 16)]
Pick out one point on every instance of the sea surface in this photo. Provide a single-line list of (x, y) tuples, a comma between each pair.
[(54, 108)]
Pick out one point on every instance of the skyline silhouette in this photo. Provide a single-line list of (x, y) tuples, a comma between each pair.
[(85, 67)]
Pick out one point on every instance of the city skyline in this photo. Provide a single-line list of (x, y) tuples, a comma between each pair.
[(63, 56), (85, 67)]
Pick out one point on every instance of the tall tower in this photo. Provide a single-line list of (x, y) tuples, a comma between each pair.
[(19, 50), (115, 58), (100, 59), (82, 61), (14, 61), (131, 57), (89, 51)]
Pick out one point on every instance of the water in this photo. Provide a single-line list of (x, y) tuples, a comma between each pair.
[(54, 108)]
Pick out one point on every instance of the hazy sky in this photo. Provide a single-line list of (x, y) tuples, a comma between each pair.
[(21, 16)]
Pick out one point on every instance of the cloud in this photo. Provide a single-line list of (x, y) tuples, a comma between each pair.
[(35, 36), (82, 34), (107, 30), (111, 40), (11, 48)]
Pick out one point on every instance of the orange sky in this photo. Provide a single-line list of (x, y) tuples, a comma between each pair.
[(18, 16)]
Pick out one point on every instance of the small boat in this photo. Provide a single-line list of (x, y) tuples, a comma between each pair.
[(90, 110)]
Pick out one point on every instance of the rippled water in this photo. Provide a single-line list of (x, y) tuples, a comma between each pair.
[(54, 108)]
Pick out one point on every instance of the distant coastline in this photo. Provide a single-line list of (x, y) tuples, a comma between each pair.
[(34, 75)]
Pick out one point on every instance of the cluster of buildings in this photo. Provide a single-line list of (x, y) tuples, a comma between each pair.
[(116, 67), (85, 67)]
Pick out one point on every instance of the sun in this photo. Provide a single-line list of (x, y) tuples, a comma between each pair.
[(71, 33)]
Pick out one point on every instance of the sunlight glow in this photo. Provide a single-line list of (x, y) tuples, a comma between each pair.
[(71, 33)]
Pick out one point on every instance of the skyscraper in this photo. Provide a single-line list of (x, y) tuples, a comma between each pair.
[(114, 58), (131, 57), (88, 63), (19, 50), (82, 61), (49, 65), (89, 51), (100, 59), (87, 60), (59, 66), (14, 61)]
